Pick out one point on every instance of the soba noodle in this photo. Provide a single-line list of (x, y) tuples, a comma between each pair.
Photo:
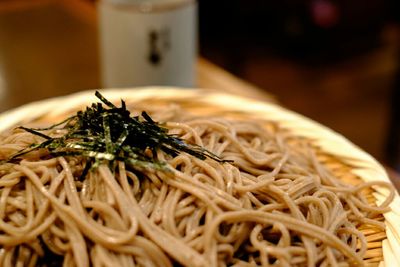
[(277, 204)]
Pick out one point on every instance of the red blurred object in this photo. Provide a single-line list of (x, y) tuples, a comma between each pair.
[(325, 13)]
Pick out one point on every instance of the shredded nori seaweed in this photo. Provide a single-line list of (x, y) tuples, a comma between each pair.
[(104, 132)]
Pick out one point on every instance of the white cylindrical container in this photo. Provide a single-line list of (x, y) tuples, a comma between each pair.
[(148, 42)]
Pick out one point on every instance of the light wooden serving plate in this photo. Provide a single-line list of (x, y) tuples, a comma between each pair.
[(382, 246)]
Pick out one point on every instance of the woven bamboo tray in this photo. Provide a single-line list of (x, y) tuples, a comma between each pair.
[(344, 158)]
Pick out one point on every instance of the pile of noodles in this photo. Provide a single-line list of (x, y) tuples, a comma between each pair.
[(276, 204)]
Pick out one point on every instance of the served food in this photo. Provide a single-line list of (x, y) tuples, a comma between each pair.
[(180, 184)]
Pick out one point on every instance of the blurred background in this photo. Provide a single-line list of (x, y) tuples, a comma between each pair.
[(334, 61)]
